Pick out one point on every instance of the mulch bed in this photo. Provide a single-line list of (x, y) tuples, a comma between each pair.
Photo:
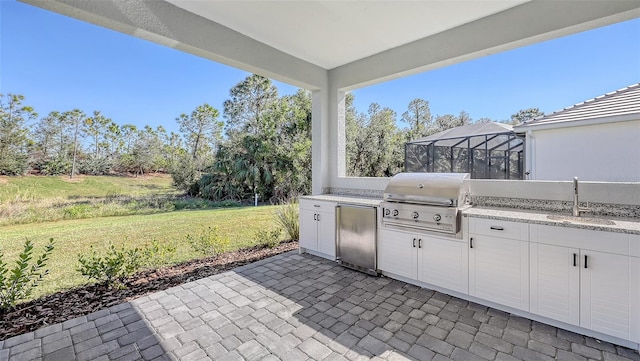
[(62, 306)]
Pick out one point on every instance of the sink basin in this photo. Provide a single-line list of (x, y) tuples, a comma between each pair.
[(587, 220)]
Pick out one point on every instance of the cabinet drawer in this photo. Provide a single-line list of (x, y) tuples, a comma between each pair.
[(318, 206), (610, 242), (497, 228)]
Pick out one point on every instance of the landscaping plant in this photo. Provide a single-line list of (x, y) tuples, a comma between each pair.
[(111, 267), (287, 217), (119, 263), (209, 242), (156, 253), (269, 237), (16, 284)]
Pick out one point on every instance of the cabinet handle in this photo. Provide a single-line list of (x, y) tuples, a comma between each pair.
[(471, 242), (497, 228), (414, 243), (575, 257), (419, 242), (314, 216), (316, 205), (585, 261), (318, 217)]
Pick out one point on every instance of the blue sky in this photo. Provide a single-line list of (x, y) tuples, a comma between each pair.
[(59, 63)]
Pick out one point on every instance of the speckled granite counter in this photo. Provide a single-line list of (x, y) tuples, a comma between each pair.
[(361, 201), (622, 225)]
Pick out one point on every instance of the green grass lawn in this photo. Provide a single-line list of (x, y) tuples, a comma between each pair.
[(74, 237), (30, 188), (32, 199)]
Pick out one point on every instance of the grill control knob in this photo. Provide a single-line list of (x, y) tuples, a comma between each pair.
[(395, 212), (437, 217), (415, 215), (387, 212)]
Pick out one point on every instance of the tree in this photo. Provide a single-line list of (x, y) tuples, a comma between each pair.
[(374, 143), (13, 134), (74, 119), (97, 128), (419, 119), (525, 115), (448, 121), (112, 137), (201, 129), (145, 154), (52, 145), (250, 100), (128, 134), (254, 165), (46, 133), (253, 115), (268, 146), (172, 149), (293, 147)]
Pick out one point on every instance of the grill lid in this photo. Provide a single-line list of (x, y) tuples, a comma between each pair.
[(440, 189)]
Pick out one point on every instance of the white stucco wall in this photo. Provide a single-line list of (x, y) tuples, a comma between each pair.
[(603, 152)]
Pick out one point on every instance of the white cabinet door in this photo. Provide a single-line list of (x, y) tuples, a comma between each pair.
[(605, 289), (444, 263), (499, 270), (308, 230), (397, 253), (555, 282), (326, 233)]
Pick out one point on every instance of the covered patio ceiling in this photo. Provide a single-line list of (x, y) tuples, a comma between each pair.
[(351, 43)]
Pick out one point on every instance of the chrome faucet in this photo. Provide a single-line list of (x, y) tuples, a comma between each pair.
[(576, 205)]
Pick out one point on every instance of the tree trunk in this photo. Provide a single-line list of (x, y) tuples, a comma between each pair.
[(75, 149)]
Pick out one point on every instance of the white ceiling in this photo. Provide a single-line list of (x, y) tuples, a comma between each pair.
[(333, 33), (315, 44)]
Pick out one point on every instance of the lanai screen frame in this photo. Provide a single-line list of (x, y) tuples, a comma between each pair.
[(512, 149)]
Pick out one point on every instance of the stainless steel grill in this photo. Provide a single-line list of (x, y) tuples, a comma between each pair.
[(425, 201)]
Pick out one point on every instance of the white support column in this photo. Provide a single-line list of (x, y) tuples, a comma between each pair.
[(338, 134), (321, 141)]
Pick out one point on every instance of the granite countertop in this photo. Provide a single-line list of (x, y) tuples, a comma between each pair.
[(361, 201), (621, 225)]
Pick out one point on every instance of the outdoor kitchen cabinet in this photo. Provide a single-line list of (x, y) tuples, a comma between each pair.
[(438, 261), (444, 262), (318, 227), (398, 253), (587, 278), (499, 262)]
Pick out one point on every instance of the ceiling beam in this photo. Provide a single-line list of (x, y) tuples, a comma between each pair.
[(164, 23), (526, 24)]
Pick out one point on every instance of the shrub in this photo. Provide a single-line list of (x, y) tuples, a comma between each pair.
[(24, 277), (185, 176), (156, 253), (287, 217), (55, 166), (119, 263), (271, 238), (13, 164), (76, 211), (110, 268), (95, 166), (208, 242)]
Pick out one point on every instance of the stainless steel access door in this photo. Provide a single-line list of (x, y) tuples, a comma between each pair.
[(356, 239)]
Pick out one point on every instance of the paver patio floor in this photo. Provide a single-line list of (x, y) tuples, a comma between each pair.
[(300, 307)]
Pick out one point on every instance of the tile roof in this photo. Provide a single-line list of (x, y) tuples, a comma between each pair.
[(620, 105)]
